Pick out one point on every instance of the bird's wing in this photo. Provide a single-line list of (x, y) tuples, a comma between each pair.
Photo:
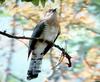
[(36, 34)]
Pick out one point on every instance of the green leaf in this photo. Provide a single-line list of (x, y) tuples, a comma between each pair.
[(52, 0), (1, 1), (96, 2), (35, 2), (43, 2), (97, 40)]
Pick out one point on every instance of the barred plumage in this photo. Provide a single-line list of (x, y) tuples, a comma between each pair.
[(47, 29)]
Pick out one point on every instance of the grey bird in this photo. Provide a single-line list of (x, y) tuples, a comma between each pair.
[(47, 29)]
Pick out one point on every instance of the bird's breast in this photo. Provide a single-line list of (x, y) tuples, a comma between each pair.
[(50, 33)]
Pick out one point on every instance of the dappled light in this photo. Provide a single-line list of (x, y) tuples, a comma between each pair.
[(79, 40)]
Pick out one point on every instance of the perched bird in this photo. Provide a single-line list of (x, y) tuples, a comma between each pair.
[(47, 29)]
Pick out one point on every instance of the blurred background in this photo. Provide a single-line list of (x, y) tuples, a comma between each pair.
[(80, 37)]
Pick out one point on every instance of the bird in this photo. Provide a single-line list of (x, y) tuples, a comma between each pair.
[(47, 28)]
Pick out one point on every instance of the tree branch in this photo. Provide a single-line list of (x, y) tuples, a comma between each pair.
[(83, 26), (65, 54), (93, 30), (21, 80)]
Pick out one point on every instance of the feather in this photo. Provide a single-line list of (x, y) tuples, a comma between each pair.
[(36, 34), (47, 29)]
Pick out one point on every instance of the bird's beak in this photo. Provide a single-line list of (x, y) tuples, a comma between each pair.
[(54, 10)]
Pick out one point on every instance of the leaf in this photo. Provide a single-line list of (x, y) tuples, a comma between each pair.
[(52, 0), (96, 2), (35, 2), (1, 1), (43, 2), (97, 40), (27, 0)]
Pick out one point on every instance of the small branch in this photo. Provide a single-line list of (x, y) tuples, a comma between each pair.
[(13, 36), (65, 54), (21, 80), (87, 28), (52, 64), (93, 30)]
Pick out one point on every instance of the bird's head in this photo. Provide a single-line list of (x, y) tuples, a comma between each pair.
[(51, 14)]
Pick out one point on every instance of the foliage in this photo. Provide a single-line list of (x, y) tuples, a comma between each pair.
[(35, 2), (1, 1), (80, 35)]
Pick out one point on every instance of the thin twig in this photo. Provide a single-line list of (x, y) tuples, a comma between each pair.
[(65, 54), (21, 80), (52, 64), (81, 25)]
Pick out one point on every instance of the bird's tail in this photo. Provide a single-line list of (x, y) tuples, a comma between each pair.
[(34, 67)]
